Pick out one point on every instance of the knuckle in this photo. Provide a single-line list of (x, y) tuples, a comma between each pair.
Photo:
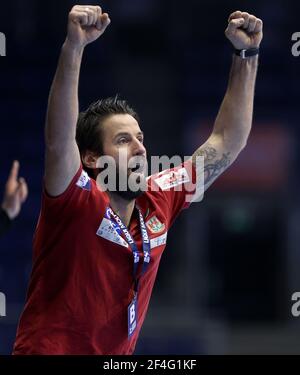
[(72, 16)]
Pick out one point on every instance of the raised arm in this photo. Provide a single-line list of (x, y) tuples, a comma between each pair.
[(234, 120), (85, 25)]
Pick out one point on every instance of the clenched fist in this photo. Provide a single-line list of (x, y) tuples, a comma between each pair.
[(86, 23), (244, 30)]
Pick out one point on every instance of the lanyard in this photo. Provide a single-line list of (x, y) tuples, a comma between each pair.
[(121, 228)]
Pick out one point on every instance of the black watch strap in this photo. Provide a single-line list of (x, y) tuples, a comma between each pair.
[(244, 53)]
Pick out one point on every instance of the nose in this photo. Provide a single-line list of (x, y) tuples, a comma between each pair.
[(139, 148)]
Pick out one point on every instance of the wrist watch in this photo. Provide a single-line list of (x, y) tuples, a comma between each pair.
[(244, 53)]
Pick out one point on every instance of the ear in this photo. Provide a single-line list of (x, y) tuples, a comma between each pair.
[(89, 159)]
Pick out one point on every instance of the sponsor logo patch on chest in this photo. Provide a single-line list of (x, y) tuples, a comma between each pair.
[(159, 241), (172, 179), (155, 226)]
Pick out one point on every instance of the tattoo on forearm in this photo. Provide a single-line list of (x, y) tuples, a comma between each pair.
[(214, 164)]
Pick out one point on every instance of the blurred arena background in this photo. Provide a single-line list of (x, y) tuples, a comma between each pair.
[(232, 261)]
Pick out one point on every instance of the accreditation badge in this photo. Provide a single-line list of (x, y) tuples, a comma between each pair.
[(132, 316)]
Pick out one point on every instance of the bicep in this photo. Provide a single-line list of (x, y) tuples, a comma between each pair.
[(216, 158), (61, 165)]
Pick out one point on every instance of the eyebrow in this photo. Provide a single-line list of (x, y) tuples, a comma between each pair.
[(124, 134)]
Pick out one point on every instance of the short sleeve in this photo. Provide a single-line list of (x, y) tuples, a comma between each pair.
[(77, 191)]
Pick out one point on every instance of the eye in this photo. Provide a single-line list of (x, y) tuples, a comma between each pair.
[(122, 141), (141, 139)]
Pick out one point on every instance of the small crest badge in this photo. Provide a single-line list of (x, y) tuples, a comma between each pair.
[(154, 225)]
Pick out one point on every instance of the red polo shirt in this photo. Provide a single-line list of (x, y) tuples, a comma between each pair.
[(82, 278)]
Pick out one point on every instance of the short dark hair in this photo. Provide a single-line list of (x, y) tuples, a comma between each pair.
[(89, 125)]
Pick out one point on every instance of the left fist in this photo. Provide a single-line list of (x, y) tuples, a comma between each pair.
[(244, 30)]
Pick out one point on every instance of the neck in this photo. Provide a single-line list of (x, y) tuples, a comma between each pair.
[(122, 207)]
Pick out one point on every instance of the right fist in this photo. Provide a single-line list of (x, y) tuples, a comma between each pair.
[(86, 23)]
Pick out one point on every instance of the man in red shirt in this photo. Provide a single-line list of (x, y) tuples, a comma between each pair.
[(97, 252)]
